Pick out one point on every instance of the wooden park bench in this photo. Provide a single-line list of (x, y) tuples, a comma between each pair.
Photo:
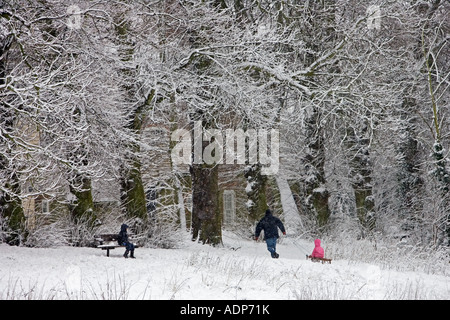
[(323, 260), (108, 242)]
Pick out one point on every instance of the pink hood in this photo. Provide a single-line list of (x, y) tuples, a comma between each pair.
[(318, 250)]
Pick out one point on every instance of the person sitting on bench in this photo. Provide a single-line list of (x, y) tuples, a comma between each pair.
[(123, 241)]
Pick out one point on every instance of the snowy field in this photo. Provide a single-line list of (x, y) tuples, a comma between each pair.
[(239, 270)]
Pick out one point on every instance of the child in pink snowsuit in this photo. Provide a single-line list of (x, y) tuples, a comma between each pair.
[(318, 250)]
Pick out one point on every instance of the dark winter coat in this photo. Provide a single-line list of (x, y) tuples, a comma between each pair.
[(270, 225), (123, 235)]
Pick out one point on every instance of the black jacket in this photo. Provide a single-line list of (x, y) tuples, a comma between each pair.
[(270, 225), (123, 235)]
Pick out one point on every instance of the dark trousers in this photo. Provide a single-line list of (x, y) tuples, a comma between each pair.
[(272, 246), (129, 246)]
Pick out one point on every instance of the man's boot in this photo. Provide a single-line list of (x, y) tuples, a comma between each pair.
[(126, 254), (132, 255)]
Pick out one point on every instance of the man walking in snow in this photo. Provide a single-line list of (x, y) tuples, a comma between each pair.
[(270, 225)]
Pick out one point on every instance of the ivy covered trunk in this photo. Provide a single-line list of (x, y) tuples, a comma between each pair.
[(132, 193), (206, 213), (316, 193), (443, 176), (82, 208), (11, 210), (361, 170), (80, 186), (256, 192), (439, 156), (410, 183)]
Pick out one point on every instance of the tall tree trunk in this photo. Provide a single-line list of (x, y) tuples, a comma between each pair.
[(11, 209), (443, 176), (410, 182), (80, 186), (206, 212), (316, 194), (256, 191), (432, 55), (83, 207), (132, 193), (361, 168)]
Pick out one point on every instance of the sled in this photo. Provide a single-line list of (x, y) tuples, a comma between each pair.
[(323, 260)]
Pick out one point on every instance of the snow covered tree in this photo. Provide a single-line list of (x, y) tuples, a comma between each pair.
[(434, 45), (410, 181), (11, 212), (132, 188), (60, 129), (359, 93)]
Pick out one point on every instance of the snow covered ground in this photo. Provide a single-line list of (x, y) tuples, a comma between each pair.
[(240, 270)]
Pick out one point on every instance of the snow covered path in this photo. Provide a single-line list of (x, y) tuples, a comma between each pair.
[(240, 270)]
